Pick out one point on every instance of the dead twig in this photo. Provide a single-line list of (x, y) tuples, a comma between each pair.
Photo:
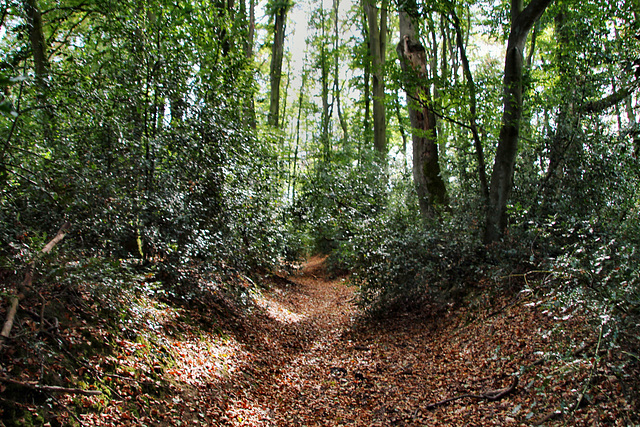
[(489, 395), (69, 411), (27, 282), (594, 367), (50, 388)]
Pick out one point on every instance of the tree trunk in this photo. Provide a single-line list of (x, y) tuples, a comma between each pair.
[(432, 193), (367, 78), (482, 172), (277, 54), (40, 63), (401, 128), (377, 48), (502, 176), (562, 140), (336, 73), (324, 93), (294, 173), (249, 19), (285, 95)]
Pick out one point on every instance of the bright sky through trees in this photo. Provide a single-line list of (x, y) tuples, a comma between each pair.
[(298, 31)]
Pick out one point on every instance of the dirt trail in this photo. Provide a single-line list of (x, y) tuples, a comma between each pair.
[(310, 314), (298, 353), (303, 359), (284, 356)]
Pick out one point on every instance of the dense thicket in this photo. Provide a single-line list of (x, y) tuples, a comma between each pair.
[(135, 134), (568, 175)]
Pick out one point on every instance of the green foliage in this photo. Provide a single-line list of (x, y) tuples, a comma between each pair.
[(274, 7), (402, 265), (598, 267), (335, 199), (150, 156)]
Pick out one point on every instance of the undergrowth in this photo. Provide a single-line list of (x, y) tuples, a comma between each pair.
[(106, 326)]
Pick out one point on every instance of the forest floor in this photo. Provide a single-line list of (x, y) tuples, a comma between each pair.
[(302, 354)]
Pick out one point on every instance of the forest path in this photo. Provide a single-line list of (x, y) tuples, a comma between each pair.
[(286, 358), (306, 357), (296, 343)]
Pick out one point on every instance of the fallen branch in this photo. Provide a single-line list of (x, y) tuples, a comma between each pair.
[(490, 395), (27, 282), (594, 367), (50, 388), (69, 411)]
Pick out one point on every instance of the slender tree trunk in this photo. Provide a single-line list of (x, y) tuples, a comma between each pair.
[(444, 60), (294, 174), (563, 140), (286, 94), (502, 176), (277, 55), (482, 172), (249, 19), (324, 82), (532, 46), (401, 128), (432, 193), (377, 46), (633, 125), (40, 64), (336, 72), (367, 78)]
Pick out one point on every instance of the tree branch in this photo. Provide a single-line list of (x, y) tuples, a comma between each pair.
[(27, 282), (600, 105), (489, 395), (50, 388)]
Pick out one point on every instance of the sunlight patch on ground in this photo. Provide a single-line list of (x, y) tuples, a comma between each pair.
[(276, 310), (200, 359), (247, 413)]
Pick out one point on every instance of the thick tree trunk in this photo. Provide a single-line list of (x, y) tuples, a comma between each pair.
[(377, 46), (277, 54), (502, 176), (432, 193)]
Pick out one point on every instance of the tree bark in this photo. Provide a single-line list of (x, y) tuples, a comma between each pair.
[(377, 48), (285, 95), (367, 78), (560, 145), (482, 170), (502, 177), (40, 63), (336, 73), (249, 18), (324, 83), (277, 54), (432, 192), (294, 173)]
